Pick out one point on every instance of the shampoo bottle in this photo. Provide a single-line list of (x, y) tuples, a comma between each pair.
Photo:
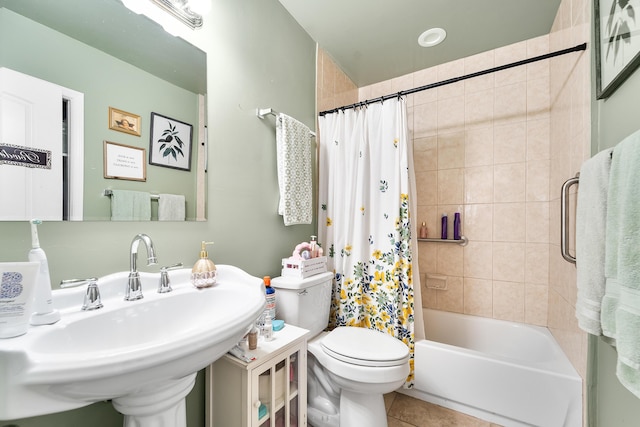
[(443, 233), (456, 226), (270, 294), (43, 311), (423, 230), (203, 273)]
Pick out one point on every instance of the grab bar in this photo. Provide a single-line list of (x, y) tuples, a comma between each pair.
[(564, 214)]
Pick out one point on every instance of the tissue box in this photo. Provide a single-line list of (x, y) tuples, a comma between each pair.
[(303, 268)]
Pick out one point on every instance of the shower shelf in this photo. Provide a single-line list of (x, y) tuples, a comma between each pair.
[(462, 241)]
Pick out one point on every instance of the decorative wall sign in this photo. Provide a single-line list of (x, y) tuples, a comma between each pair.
[(617, 43), (124, 122), (124, 162), (17, 155), (170, 144)]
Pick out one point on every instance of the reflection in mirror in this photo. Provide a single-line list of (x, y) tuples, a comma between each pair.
[(104, 58)]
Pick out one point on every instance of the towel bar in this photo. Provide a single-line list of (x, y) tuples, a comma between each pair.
[(564, 216), (108, 193), (261, 112)]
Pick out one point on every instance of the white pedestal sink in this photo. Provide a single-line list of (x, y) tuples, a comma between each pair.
[(144, 355)]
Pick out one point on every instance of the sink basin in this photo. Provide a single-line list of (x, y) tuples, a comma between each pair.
[(137, 353)]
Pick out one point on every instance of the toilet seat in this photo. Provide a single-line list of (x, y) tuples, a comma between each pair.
[(364, 347)]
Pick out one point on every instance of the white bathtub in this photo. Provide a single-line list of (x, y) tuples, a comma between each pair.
[(509, 373)]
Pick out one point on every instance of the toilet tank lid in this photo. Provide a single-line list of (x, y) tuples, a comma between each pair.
[(289, 282)]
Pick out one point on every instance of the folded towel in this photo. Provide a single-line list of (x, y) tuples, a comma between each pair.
[(130, 205), (293, 140), (621, 303), (591, 216), (171, 207)]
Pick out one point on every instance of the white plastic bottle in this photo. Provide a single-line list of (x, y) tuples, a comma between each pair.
[(43, 311), (268, 329)]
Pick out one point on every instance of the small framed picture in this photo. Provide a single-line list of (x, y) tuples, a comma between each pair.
[(170, 144), (617, 43), (124, 122), (124, 162)]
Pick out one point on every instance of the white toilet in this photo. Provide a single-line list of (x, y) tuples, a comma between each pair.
[(349, 369)]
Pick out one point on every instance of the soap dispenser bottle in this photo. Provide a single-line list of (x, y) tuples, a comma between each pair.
[(203, 273)]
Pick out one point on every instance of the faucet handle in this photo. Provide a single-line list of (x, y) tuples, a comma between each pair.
[(165, 285), (92, 300)]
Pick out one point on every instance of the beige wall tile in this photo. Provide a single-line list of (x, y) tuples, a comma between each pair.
[(535, 304), (509, 182), (478, 184), (478, 222), (479, 109), (510, 143), (508, 225), (451, 299), (537, 220), (450, 260), (427, 187), (479, 147), (447, 71), (451, 114), (478, 297), (425, 120), (536, 263), (510, 103), (508, 262), (478, 260), (538, 134), (508, 301), (450, 186), (451, 150), (480, 62), (425, 154), (537, 180)]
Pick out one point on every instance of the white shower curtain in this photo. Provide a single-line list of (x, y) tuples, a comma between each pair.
[(366, 203)]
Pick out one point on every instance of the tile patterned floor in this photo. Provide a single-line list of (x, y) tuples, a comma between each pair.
[(405, 411)]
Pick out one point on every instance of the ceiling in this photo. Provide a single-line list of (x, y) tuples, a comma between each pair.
[(375, 40)]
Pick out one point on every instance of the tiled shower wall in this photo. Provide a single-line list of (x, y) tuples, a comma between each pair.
[(570, 89), (497, 148), (481, 148)]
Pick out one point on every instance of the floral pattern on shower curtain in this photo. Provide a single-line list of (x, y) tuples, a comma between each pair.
[(365, 219)]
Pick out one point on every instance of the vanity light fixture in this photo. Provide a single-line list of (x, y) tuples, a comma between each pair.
[(189, 12), (432, 37), (182, 10)]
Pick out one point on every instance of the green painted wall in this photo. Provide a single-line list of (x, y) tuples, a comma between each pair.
[(106, 82), (257, 56), (610, 403)]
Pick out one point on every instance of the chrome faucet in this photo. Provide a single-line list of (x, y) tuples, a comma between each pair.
[(134, 287), (92, 300)]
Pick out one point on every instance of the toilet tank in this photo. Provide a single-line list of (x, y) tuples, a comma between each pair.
[(304, 302)]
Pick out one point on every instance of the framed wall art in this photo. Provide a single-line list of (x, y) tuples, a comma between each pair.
[(617, 42), (124, 162), (170, 144), (124, 122)]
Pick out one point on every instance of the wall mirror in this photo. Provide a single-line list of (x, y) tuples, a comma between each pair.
[(125, 68)]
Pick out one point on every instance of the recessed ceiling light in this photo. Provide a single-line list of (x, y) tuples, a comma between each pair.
[(432, 37)]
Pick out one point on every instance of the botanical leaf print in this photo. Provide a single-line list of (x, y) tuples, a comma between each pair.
[(617, 28)]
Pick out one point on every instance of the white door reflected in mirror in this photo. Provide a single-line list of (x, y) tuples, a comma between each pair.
[(40, 176)]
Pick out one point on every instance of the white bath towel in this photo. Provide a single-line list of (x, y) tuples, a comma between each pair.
[(171, 207), (620, 311), (130, 205), (591, 216), (295, 180)]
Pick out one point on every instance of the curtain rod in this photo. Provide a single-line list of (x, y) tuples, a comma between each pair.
[(577, 48)]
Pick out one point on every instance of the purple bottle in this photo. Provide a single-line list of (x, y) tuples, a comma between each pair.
[(443, 233), (456, 226)]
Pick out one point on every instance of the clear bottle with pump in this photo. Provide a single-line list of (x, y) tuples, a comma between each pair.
[(268, 329), (203, 273)]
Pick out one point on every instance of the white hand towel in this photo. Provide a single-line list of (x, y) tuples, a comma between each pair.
[(293, 140), (621, 303), (591, 216), (171, 207), (130, 205)]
